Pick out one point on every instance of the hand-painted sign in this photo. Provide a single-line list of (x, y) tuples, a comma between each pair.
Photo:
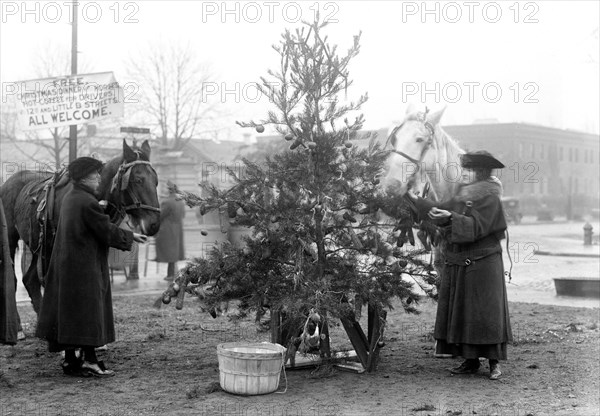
[(68, 100)]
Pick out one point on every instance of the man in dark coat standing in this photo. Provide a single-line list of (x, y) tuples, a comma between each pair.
[(472, 318), (169, 240), (76, 310)]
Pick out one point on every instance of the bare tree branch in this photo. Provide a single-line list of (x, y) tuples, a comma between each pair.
[(173, 87)]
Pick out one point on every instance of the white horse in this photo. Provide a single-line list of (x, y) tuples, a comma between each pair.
[(424, 157), (427, 160)]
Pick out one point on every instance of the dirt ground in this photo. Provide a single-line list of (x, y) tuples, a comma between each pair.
[(166, 363)]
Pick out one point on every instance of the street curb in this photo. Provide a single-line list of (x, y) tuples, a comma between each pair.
[(549, 253)]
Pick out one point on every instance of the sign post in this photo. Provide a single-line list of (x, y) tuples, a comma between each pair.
[(73, 127)]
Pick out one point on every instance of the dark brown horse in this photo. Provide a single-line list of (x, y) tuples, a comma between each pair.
[(128, 185)]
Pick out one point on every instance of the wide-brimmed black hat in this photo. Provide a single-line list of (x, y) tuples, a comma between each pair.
[(480, 159), (83, 166)]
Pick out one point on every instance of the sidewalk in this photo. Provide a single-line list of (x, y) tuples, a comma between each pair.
[(533, 270), (152, 283), (566, 247), (562, 238)]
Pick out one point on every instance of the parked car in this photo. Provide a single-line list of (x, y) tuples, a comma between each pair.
[(544, 213), (511, 209)]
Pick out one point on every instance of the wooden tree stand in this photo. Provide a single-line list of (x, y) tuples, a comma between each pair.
[(366, 347)]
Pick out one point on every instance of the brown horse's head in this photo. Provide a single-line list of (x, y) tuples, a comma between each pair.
[(129, 183)]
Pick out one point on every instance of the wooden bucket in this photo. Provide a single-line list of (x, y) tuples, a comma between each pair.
[(250, 368)]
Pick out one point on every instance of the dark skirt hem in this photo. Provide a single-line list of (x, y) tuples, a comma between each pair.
[(54, 346), (473, 351)]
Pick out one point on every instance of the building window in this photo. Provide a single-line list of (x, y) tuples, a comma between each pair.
[(561, 185), (570, 154), (541, 151), (560, 153), (576, 155), (520, 150), (585, 184), (532, 150)]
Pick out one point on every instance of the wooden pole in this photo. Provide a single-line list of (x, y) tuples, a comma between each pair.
[(376, 329), (276, 327), (73, 128), (357, 338)]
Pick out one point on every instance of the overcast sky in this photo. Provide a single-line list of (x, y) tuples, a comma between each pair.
[(543, 54)]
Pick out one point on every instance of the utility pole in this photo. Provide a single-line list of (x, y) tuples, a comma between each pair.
[(73, 127)]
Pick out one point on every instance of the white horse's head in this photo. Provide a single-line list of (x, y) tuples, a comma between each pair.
[(421, 150)]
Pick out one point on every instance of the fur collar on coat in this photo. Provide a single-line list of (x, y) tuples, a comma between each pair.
[(479, 190)]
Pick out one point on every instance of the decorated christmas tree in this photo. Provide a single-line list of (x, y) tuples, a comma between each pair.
[(325, 238)]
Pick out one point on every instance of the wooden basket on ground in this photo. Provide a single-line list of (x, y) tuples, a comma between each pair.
[(250, 368)]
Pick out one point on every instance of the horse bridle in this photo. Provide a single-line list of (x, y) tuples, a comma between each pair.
[(422, 117), (120, 182)]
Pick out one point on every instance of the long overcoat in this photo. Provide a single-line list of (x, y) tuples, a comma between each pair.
[(77, 304), (472, 318), (169, 239), (9, 317)]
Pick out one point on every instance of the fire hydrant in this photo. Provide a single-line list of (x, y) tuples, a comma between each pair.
[(587, 234)]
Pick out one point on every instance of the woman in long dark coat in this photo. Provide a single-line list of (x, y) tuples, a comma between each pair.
[(76, 309), (9, 317), (472, 318), (169, 240)]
